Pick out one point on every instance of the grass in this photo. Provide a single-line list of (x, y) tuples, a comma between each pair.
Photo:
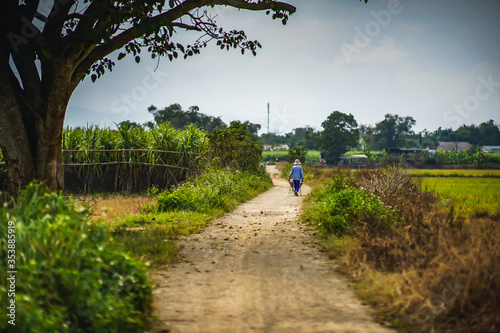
[(282, 155), (74, 276), (476, 196), (433, 271), (149, 235), (114, 206), (454, 173)]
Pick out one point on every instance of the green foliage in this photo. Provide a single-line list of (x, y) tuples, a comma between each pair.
[(150, 245), (132, 170), (312, 156), (339, 133), (184, 211), (470, 195), (391, 132), (300, 136), (486, 134), (299, 152), (177, 118), (215, 190), (235, 147), (339, 209), (71, 275)]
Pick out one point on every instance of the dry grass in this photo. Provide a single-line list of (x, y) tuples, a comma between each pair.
[(111, 207), (435, 272)]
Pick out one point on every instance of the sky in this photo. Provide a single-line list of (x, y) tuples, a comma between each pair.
[(436, 61)]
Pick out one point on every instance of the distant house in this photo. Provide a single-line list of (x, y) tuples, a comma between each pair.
[(353, 160), (275, 147), (491, 149), (402, 151), (453, 146), (361, 141)]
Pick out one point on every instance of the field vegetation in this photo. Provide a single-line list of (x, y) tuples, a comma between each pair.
[(424, 267), (130, 158), (72, 276), (454, 173), (282, 155), (150, 235), (85, 274), (470, 196)]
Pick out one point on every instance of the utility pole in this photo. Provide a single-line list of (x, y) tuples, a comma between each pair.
[(267, 118)]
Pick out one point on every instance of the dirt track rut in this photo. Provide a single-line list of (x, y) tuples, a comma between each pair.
[(257, 269)]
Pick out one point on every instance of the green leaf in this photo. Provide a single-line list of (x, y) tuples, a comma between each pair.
[(137, 59)]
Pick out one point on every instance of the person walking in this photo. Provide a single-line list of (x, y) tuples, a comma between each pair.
[(297, 174)]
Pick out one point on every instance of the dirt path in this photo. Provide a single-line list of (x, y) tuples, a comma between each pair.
[(257, 269)]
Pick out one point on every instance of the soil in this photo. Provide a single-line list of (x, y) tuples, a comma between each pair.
[(257, 269)]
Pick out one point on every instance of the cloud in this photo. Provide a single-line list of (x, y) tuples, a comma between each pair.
[(383, 50)]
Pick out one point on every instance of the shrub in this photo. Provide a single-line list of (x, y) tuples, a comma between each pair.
[(72, 276), (342, 210), (216, 189), (298, 152), (234, 147), (432, 271)]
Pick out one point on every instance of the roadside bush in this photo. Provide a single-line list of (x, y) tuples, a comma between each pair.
[(298, 152), (71, 276), (431, 271), (216, 189), (234, 147), (340, 209)]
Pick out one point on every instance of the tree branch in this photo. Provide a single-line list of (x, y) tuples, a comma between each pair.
[(166, 19), (55, 21), (256, 6), (185, 26)]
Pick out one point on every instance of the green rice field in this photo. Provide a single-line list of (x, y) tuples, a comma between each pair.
[(471, 195), (454, 173), (312, 155)]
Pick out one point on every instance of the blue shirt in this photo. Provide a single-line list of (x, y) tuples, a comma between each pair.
[(296, 173)]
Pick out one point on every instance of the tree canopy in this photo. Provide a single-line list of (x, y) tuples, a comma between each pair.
[(48, 47), (392, 131), (340, 131), (178, 118)]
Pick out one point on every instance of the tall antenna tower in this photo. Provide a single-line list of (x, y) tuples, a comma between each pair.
[(267, 118)]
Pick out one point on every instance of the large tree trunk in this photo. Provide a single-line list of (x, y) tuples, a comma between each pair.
[(31, 133), (14, 141), (40, 69)]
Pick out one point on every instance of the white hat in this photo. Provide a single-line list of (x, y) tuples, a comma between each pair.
[(297, 161)]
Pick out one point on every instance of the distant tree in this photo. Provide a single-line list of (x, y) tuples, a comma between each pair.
[(272, 139), (128, 123), (489, 133), (392, 131), (47, 49), (340, 131), (252, 128), (235, 147), (303, 136), (297, 152), (178, 118), (149, 124)]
